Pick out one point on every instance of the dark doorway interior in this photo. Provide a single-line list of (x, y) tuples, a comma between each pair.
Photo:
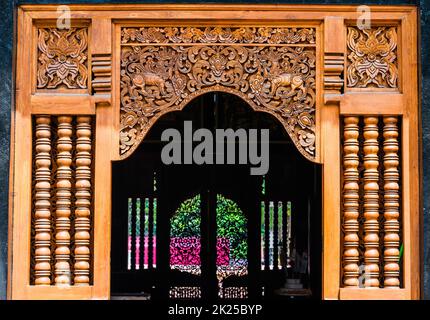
[(188, 231)]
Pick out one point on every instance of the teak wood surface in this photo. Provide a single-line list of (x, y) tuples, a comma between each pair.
[(104, 24)]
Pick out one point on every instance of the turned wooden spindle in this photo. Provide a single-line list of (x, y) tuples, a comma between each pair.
[(350, 202), (42, 202), (63, 201), (391, 203), (83, 202), (371, 202)]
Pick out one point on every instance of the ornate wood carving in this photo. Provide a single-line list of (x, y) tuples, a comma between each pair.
[(206, 35), (102, 73), (42, 202), (273, 69), (350, 202), (105, 34), (83, 202), (333, 77), (372, 57), (63, 201), (391, 203), (62, 58), (371, 201)]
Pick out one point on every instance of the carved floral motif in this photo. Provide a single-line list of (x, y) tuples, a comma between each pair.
[(156, 79), (372, 57), (62, 58), (244, 35)]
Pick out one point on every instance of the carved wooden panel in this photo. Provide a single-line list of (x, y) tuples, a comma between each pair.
[(127, 74), (371, 201), (62, 200), (273, 69), (247, 35), (62, 58), (372, 58)]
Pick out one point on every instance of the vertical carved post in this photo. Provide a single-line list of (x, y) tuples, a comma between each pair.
[(62, 223), (371, 202), (350, 202), (391, 203), (42, 214), (83, 202)]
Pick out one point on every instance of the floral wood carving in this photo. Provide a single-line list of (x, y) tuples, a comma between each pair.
[(372, 57), (278, 79), (244, 35), (62, 58)]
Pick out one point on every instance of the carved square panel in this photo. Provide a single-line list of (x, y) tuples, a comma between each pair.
[(62, 58), (372, 58)]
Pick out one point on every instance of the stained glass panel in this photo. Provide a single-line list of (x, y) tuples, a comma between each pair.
[(185, 245), (231, 247), (129, 237)]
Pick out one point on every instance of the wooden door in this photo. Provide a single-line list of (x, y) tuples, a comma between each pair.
[(348, 102)]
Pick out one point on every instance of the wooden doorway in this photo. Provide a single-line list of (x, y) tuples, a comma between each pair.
[(132, 65), (278, 214)]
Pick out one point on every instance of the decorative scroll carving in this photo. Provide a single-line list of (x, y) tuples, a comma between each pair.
[(83, 201), (156, 79), (244, 35), (372, 57), (63, 203), (371, 201), (62, 58), (351, 202), (391, 203), (102, 73), (42, 202), (333, 77)]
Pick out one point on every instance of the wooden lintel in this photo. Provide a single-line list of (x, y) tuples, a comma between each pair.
[(62, 104), (372, 103)]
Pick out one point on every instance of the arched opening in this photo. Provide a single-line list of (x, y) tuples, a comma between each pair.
[(172, 224)]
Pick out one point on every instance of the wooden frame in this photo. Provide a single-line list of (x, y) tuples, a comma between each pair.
[(104, 22)]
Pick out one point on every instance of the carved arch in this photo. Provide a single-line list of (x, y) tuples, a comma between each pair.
[(272, 69)]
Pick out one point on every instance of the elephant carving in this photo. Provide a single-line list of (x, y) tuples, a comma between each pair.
[(287, 80), (142, 80)]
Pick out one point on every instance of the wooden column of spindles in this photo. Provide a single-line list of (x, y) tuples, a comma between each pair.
[(371, 201), (63, 201), (391, 203), (42, 204), (83, 202), (350, 202)]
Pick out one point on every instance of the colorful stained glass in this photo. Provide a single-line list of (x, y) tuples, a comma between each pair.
[(129, 233), (231, 248)]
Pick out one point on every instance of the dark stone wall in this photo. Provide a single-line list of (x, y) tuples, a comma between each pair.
[(6, 86), (425, 115), (6, 44)]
